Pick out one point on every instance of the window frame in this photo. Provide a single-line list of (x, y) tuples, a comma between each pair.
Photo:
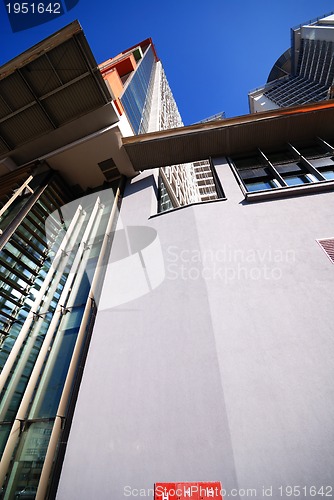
[(316, 181)]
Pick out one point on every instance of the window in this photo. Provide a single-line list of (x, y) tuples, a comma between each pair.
[(255, 174), (322, 162), (325, 166), (287, 167), (186, 184), (257, 186), (328, 174), (295, 180)]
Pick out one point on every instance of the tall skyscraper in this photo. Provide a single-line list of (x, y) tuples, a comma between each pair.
[(142, 346), (304, 73)]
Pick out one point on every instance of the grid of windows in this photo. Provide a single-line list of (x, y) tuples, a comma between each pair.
[(24, 254), (287, 167), (175, 185), (164, 201)]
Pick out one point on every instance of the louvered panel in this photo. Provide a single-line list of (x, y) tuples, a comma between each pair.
[(327, 245)]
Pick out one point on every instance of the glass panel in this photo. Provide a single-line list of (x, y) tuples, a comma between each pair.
[(20, 377), (19, 314), (258, 186), (28, 462), (164, 199), (260, 173), (12, 211), (290, 168), (134, 96), (323, 162), (24, 471), (23, 269), (4, 433), (55, 375), (295, 180), (55, 371), (328, 174)]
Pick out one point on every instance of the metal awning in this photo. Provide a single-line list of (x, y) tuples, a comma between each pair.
[(238, 135), (48, 86)]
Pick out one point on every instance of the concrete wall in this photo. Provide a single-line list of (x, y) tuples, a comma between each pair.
[(224, 371)]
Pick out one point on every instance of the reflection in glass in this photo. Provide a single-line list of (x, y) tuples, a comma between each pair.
[(258, 186), (295, 180)]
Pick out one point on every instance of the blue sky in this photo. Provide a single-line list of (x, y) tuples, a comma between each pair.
[(213, 51)]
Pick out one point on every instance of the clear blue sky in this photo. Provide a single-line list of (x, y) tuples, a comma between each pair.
[(213, 51)]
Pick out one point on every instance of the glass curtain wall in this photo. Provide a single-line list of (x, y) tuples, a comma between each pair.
[(47, 307), (138, 92)]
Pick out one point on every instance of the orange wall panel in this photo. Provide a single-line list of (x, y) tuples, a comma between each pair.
[(124, 65), (114, 81)]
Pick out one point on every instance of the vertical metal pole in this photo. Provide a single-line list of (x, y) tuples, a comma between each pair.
[(7, 233), (11, 442), (34, 308), (61, 412), (16, 194), (15, 431)]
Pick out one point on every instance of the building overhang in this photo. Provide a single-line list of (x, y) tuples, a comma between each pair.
[(55, 105), (46, 89), (79, 162), (266, 130)]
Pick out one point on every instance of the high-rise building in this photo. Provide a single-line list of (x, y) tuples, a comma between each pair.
[(137, 80), (138, 346), (203, 172), (304, 73)]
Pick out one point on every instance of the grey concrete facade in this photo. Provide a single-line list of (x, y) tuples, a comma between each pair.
[(224, 371)]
